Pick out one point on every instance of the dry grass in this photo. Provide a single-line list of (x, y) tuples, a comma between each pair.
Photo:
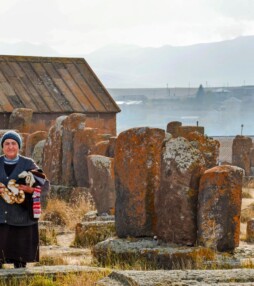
[(81, 279), (51, 260), (247, 213), (64, 214), (246, 194)]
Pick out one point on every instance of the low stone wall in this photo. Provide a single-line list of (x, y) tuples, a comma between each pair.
[(233, 277)]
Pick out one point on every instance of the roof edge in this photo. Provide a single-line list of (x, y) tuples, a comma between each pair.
[(5, 58)]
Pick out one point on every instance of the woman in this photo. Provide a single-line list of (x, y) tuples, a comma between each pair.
[(19, 235)]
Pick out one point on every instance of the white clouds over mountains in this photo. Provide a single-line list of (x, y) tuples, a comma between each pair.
[(82, 26)]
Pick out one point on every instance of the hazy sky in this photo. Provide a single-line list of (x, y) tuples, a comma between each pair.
[(81, 26)]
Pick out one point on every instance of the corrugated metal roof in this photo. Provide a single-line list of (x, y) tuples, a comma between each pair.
[(47, 84)]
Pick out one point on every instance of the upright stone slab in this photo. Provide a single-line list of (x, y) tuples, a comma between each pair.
[(250, 231), (24, 137), (20, 119), (137, 177), (241, 149), (220, 197), (101, 148), (209, 147), (172, 128), (102, 183), (252, 161), (52, 152), (176, 200), (83, 143), (38, 152), (111, 148), (183, 131), (72, 123), (32, 140)]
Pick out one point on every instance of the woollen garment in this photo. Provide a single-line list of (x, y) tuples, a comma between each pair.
[(12, 135), (20, 243), (16, 214), (19, 235)]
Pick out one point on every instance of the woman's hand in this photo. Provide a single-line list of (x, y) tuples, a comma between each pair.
[(26, 189)]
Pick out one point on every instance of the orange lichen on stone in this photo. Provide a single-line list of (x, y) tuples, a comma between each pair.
[(241, 153), (219, 207), (206, 145), (137, 169), (176, 200)]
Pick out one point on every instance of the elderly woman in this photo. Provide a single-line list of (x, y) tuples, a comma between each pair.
[(19, 238)]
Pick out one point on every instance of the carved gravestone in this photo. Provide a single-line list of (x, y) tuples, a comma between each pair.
[(220, 197), (176, 199), (137, 177)]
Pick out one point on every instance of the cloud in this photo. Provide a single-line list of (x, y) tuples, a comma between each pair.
[(81, 26)]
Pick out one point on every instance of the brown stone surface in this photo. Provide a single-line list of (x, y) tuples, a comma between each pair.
[(250, 231), (38, 152), (241, 153), (152, 254), (185, 130), (172, 128), (230, 277), (32, 140), (176, 129), (20, 119), (101, 148), (105, 123), (92, 232), (102, 183), (252, 161), (111, 147), (137, 173), (209, 147), (52, 153), (219, 210), (176, 200), (71, 124), (83, 143)]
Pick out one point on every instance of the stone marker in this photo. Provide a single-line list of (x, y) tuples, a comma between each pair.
[(32, 140), (220, 196), (209, 147), (102, 183), (241, 149), (71, 124), (137, 176), (176, 200), (172, 128), (250, 231), (83, 143), (52, 153), (20, 119)]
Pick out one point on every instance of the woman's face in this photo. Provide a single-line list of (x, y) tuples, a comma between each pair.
[(10, 148)]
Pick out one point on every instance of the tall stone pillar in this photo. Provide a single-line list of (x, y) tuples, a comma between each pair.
[(137, 177), (220, 197)]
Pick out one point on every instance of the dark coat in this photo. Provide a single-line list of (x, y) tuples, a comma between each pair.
[(16, 214)]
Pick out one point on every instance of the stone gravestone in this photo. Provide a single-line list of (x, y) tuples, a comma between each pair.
[(137, 177), (176, 200), (220, 197)]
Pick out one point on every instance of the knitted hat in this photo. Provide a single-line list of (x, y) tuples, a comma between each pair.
[(12, 135)]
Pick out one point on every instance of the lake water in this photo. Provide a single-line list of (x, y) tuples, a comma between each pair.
[(223, 120)]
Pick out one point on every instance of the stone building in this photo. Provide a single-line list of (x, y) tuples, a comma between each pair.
[(52, 87)]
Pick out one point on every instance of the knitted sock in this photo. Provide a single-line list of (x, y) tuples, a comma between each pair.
[(37, 202)]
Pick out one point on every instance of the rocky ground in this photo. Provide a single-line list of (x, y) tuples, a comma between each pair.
[(81, 260)]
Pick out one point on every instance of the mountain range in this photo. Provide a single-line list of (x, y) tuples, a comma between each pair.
[(225, 63)]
